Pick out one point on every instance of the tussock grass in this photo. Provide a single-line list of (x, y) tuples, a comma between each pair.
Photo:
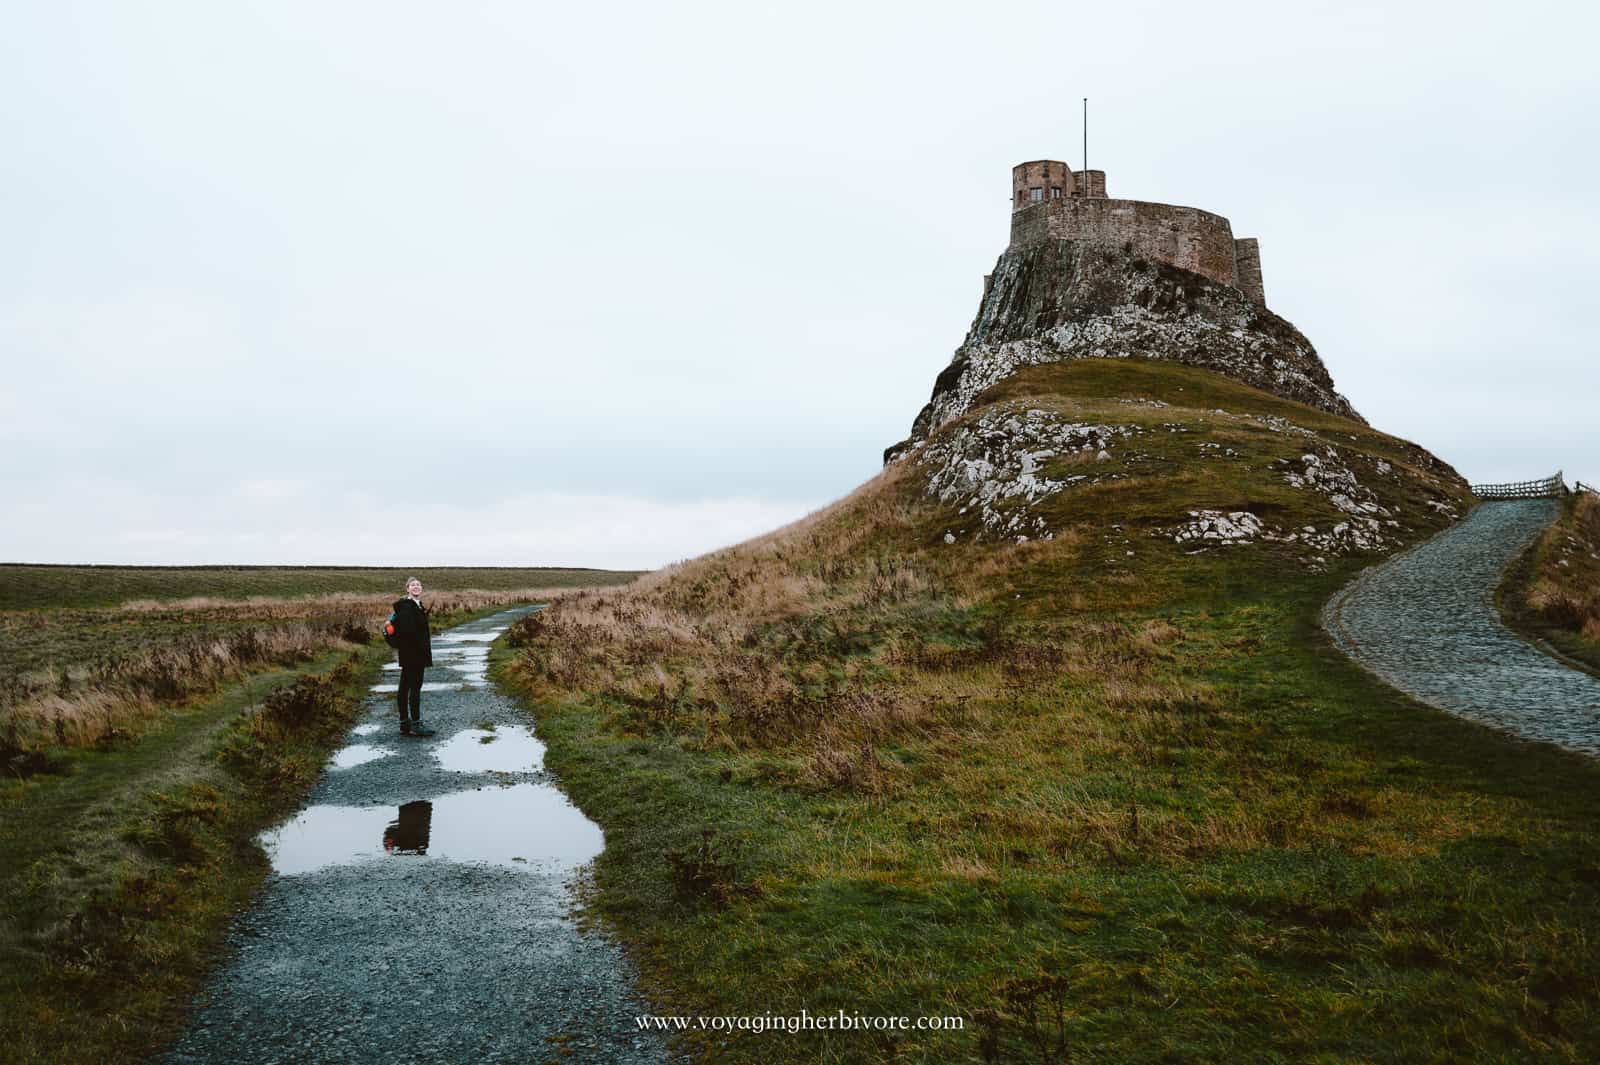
[(1129, 807), (85, 677), (115, 698)]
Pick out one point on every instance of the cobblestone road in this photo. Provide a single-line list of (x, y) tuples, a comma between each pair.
[(1426, 623)]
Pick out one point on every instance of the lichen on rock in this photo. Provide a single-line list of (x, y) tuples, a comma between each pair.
[(993, 467)]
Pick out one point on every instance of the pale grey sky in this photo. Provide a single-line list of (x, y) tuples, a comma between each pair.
[(617, 284)]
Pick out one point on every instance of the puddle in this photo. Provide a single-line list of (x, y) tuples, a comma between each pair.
[(474, 675), (359, 754), (508, 749), (448, 657), (467, 637), (524, 826), (366, 730), (427, 686)]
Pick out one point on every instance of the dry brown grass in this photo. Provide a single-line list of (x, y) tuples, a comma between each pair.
[(119, 696), (359, 606), (87, 703), (689, 646)]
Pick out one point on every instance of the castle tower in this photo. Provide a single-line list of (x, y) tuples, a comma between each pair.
[(1044, 180), (1049, 201)]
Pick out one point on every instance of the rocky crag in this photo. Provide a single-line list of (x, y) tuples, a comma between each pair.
[(1057, 300)]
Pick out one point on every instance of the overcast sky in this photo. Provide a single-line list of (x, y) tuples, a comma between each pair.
[(614, 284)]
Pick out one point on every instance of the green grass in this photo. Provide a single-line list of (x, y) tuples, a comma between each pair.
[(1029, 782), (30, 587)]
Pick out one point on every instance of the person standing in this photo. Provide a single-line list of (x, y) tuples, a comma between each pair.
[(415, 648)]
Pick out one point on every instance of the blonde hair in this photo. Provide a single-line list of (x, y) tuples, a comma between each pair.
[(410, 581)]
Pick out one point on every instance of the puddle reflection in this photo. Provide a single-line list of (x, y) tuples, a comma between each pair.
[(507, 749), (359, 754), (524, 826), (408, 833)]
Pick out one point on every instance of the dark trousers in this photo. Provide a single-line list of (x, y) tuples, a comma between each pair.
[(410, 690)]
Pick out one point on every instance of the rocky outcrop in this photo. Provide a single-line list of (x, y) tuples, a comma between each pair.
[(1052, 301)]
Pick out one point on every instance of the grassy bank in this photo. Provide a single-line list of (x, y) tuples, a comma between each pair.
[(1106, 796), (123, 869), (1552, 592)]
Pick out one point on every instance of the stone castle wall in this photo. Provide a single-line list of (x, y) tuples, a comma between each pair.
[(1182, 236), (1247, 262), (1051, 201)]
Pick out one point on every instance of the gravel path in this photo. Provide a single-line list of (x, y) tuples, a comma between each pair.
[(1426, 622), (420, 909)]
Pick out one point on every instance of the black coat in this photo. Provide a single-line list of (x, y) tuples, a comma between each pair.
[(411, 626)]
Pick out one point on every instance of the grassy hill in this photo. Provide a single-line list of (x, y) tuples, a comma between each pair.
[(1037, 729)]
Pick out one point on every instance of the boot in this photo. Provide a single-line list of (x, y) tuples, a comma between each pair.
[(419, 729)]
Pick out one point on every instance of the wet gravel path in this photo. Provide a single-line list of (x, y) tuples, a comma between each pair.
[(421, 908), (1426, 622)]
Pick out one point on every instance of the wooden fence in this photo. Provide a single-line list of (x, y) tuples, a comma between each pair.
[(1549, 486), (1579, 486)]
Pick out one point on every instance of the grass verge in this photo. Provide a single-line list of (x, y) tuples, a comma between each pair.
[(122, 874), (1552, 591)]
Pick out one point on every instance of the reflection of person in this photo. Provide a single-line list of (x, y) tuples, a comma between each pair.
[(415, 649), (409, 835)]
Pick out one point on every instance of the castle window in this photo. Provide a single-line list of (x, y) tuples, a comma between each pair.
[(1055, 192), (1037, 195)]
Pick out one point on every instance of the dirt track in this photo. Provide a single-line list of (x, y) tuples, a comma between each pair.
[(421, 909)]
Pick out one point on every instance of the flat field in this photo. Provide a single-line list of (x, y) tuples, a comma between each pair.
[(24, 586)]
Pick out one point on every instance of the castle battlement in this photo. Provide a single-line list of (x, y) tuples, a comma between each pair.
[(1051, 201)]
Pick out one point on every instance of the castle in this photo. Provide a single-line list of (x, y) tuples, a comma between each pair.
[(1049, 201), (1088, 277)]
